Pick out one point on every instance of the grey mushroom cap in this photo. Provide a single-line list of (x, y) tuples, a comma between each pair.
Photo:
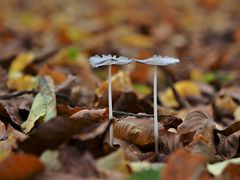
[(158, 60), (106, 60)]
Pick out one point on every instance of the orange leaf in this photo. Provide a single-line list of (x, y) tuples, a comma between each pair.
[(20, 166), (57, 76)]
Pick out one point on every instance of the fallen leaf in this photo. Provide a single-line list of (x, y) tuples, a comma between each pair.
[(51, 134), (21, 62), (9, 138), (44, 104), (202, 127), (169, 142), (184, 165), (49, 70), (50, 160), (114, 162), (183, 88), (229, 146), (133, 153), (237, 114), (16, 78), (231, 171), (218, 168), (20, 166), (194, 121), (136, 131), (128, 102), (65, 110), (77, 163), (120, 82), (9, 114), (229, 141)]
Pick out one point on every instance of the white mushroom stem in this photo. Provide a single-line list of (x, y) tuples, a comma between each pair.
[(110, 104), (156, 134)]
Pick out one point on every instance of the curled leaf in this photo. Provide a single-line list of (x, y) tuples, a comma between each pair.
[(136, 131), (195, 121), (51, 134), (183, 165)]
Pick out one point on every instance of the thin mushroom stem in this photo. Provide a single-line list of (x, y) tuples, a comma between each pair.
[(110, 104), (156, 134)]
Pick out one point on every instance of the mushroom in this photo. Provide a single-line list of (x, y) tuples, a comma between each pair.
[(156, 60), (109, 60)]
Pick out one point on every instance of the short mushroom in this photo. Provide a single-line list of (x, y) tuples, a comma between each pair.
[(109, 60), (156, 60)]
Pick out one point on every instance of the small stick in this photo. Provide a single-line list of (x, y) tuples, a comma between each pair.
[(156, 134), (34, 92), (110, 104)]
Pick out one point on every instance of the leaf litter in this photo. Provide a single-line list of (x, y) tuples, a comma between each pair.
[(54, 106)]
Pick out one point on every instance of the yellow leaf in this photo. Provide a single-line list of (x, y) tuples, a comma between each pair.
[(237, 113), (115, 162), (196, 75), (184, 89), (21, 62), (16, 79), (22, 82), (120, 82)]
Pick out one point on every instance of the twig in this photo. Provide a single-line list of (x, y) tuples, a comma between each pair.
[(34, 92), (180, 100), (16, 94), (121, 113)]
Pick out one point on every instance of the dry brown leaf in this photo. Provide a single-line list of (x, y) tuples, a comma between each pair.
[(231, 172), (76, 163), (182, 165), (49, 70), (55, 132), (202, 127), (136, 131), (20, 166)]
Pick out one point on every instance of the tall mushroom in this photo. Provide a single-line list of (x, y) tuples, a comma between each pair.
[(109, 60), (156, 60)]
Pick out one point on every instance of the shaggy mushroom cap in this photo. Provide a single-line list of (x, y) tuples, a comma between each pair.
[(158, 60), (106, 60)]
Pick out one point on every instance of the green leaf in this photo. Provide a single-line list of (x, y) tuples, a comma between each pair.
[(72, 53), (223, 78), (209, 77), (44, 104), (146, 175), (48, 92), (141, 89), (217, 168)]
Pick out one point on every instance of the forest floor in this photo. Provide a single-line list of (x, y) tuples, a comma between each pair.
[(54, 113)]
